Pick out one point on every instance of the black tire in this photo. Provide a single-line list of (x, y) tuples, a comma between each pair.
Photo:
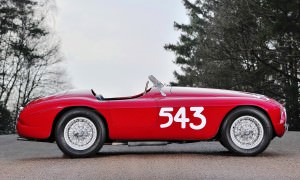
[(254, 114), (222, 143), (96, 122)]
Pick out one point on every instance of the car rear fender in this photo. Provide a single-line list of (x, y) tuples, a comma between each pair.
[(66, 109)]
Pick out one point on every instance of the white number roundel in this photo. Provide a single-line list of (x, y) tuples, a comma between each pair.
[(180, 117)]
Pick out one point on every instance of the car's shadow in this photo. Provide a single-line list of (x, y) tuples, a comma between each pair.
[(157, 154), (120, 153), (182, 153)]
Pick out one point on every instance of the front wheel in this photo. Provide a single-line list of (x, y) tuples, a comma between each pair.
[(246, 131), (80, 133)]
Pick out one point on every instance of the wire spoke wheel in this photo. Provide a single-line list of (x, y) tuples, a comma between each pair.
[(246, 132), (80, 133)]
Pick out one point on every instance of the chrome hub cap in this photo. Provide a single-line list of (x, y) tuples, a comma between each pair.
[(80, 133), (246, 132)]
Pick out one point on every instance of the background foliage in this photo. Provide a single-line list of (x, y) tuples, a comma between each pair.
[(29, 57), (247, 45)]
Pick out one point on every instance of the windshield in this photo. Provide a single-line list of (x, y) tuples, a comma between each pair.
[(157, 84)]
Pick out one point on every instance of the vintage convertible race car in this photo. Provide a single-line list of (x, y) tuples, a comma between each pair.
[(81, 122)]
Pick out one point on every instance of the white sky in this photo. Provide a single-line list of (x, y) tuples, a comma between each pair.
[(112, 46)]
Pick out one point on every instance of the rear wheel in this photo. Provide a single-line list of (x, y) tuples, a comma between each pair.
[(80, 133), (246, 131)]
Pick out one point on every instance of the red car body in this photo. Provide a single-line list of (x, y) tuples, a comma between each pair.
[(138, 117)]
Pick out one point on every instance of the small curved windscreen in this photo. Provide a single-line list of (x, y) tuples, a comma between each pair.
[(156, 82)]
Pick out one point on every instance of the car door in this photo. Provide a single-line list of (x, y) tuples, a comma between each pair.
[(188, 118), (133, 119)]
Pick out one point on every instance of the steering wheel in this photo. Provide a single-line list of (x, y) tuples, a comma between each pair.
[(147, 83)]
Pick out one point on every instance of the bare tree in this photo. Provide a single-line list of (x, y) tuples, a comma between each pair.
[(29, 53)]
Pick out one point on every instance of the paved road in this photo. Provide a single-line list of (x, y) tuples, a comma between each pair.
[(204, 160)]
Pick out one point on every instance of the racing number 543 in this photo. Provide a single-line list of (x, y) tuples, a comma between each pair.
[(180, 117)]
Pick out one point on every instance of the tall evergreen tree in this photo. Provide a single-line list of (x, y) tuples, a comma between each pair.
[(242, 45)]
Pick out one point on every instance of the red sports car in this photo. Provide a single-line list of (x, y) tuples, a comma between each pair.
[(82, 121)]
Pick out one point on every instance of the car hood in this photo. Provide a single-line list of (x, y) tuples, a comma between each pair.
[(209, 92)]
